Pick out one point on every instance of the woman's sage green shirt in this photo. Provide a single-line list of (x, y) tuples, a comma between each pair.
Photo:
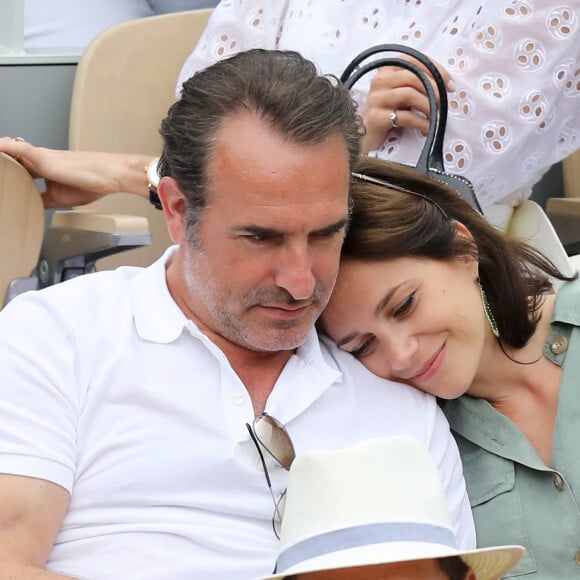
[(515, 497)]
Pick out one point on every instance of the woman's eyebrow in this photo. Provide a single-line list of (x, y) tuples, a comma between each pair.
[(382, 305)]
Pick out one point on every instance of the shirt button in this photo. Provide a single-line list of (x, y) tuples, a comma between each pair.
[(238, 399), (559, 345), (558, 481)]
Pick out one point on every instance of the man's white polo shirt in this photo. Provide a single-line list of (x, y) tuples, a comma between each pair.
[(109, 391)]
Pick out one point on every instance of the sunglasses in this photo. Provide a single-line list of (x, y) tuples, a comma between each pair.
[(388, 185), (268, 433)]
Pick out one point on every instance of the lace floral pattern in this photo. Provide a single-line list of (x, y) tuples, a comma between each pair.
[(516, 65)]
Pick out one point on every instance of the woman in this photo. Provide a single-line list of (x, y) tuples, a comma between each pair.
[(430, 294), (510, 67)]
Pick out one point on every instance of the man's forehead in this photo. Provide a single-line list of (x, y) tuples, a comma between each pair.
[(246, 133)]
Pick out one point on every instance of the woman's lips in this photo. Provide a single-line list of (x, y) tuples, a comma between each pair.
[(431, 367)]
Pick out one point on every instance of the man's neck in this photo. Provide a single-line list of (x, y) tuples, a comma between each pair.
[(258, 370)]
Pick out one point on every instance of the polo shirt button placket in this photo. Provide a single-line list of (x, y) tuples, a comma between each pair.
[(238, 399)]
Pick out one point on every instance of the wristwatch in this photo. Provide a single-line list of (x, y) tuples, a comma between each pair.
[(153, 182)]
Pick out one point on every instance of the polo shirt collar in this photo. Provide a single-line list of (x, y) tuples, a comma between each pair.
[(157, 317)]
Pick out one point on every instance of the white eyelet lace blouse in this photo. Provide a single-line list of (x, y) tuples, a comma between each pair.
[(516, 66)]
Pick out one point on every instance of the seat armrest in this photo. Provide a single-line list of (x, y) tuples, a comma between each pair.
[(100, 222), (76, 239)]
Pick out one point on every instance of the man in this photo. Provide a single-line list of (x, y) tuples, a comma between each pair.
[(126, 396)]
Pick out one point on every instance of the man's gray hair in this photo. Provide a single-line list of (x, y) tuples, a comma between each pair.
[(281, 87)]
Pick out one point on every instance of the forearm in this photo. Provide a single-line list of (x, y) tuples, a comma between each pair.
[(79, 177), (131, 177), (444, 450)]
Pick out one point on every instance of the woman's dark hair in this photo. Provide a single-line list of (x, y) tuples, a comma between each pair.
[(387, 223)]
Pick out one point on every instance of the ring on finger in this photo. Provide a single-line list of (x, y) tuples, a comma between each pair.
[(393, 117), (19, 139)]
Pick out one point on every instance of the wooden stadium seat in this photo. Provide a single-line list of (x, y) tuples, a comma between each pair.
[(124, 85), (21, 226), (564, 212)]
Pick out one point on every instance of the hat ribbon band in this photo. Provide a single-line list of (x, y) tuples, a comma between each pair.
[(363, 535)]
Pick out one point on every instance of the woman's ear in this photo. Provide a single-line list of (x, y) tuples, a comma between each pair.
[(461, 230), (470, 259), (173, 201)]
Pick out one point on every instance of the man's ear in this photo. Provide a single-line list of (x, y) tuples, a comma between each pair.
[(173, 201)]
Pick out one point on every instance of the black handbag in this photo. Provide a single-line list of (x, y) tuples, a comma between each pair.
[(430, 161)]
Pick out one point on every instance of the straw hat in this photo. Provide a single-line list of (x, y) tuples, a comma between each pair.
[(380, 501)]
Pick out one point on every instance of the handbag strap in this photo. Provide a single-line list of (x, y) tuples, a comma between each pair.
[(431, 156)]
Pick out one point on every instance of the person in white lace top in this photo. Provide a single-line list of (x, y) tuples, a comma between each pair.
[(514, 65), (512, 68)]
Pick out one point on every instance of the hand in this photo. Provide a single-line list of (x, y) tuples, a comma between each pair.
[(399, 90), (79, 177)]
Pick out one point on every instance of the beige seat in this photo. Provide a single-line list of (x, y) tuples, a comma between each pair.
[(21, 227), (124, 84), (34, 257), (565, 211), (530, 224)]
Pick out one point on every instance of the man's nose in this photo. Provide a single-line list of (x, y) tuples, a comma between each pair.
[(293, 271)]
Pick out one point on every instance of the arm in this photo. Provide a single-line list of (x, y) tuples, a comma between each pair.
[(39, 410), (79, 177), (31, 515), (445, 453)]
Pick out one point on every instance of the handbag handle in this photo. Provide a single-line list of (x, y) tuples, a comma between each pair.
[(430, 160), (431, 156)]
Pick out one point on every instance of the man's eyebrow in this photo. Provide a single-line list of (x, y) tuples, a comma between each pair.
[(259, 231), (335, 227), (271, 232)]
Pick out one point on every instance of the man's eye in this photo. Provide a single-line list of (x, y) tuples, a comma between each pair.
[(259, 238), (329, 234)]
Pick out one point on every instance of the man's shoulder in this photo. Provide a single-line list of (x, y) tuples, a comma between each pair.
[(356, 374), (89, 287), (88, 296)]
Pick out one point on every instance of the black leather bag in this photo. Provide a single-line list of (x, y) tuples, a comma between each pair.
[(430, 161)]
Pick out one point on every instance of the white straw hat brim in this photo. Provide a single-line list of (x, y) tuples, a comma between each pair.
[(487, 563)]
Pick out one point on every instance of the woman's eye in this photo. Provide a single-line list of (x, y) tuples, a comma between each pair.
[(362, 350), (406, 305)]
